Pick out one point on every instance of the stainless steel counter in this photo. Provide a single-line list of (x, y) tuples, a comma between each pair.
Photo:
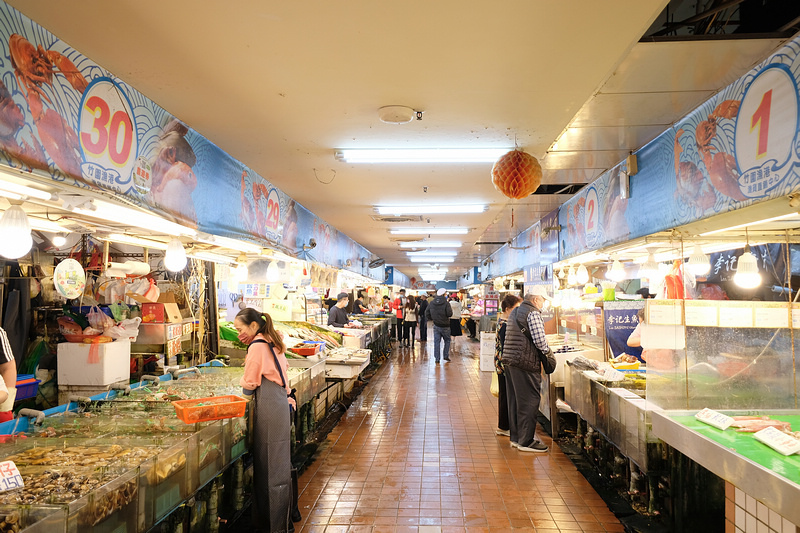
[(766, 486)]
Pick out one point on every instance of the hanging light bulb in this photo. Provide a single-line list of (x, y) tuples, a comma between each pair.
[(16, 238), (562, 273), (747, 275), (572, 279), (650, 268), (59, 240), (273, 272), (240, 273), (175, 256), (582, 275), (699, 263), (616, 272)]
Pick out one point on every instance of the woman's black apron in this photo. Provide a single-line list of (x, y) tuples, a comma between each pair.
[(272, 456)]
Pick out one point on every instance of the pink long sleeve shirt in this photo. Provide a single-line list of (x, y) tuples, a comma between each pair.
[(259, 362)]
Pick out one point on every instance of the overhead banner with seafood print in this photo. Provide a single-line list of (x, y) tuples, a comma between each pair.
[(739, 148), (68, 118)]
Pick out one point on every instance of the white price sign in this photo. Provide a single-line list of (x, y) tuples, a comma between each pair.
[(778, 440), (10, 477), (714, 418)]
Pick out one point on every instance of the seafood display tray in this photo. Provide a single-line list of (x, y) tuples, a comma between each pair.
[(213, 408), (738, 458)]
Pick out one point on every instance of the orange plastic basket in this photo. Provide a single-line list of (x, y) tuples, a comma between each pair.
[(213, 408)]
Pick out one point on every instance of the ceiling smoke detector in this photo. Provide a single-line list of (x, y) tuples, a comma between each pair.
[(396, 114)]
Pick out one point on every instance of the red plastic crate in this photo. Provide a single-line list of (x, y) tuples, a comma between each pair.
[(213, 408)]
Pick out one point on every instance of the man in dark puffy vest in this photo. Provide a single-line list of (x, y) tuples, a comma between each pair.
[(525, 345), (439, 312)]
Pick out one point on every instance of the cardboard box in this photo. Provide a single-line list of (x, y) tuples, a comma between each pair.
[(159, 312)]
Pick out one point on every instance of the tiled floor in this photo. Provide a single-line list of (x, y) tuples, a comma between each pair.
[(417, 452)]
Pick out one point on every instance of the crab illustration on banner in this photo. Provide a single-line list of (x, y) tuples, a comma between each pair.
[(517, 174)]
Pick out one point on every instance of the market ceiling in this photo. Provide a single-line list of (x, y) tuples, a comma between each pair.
[(282, 86)]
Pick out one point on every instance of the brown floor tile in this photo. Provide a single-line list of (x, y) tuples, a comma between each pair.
[(425, 459)]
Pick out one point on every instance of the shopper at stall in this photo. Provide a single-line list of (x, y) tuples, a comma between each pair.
[(358, 306), (337, 316), (455, 319), (410, 313), (509, 303), (439, 312), (386, 306), (524, 348), (423, 320), (264, 381), (8, 373)]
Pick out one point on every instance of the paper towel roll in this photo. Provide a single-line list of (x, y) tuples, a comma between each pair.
[(137, 268)]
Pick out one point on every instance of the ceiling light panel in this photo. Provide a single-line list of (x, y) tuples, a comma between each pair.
[(421, 155), (430, 209), (432, 259), (429, 231), (436, 252), (440, 244)]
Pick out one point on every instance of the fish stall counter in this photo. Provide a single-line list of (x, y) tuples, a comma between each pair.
[(553, 384), (125, 462)]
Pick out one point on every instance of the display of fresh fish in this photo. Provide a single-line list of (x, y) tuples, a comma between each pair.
[(751, 424)]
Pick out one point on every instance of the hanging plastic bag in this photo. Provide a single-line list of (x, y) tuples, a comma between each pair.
[(99, 320), (126, 329), (153, 292), (495, 387), (120, 311)]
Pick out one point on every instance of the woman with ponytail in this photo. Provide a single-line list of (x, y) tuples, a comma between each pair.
[(265, 381)]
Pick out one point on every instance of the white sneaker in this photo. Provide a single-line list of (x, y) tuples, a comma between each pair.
[(502, 432), (535, 446), (514, 445)]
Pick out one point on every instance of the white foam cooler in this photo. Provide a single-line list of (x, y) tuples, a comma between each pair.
[(74, 368)]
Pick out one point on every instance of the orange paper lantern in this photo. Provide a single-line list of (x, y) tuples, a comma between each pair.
[(517, 174)]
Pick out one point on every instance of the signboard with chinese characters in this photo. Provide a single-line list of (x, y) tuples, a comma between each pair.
[(621, 318), (82, 127), (736, 149)]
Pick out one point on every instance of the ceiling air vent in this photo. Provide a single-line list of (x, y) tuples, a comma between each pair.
[(408, 239), (397, 218)]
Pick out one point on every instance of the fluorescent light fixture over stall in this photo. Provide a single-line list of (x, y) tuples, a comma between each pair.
[(420, 155)]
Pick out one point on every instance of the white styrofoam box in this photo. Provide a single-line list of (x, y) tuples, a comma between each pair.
[(74, 367), (86, 391), (344, 370), (487, 351)]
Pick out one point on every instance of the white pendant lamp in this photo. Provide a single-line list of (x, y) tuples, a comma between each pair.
[(699, 263), (15, 232), (616, 272), (273, 272), (582, 275), (650, 268), (572, 279), (747, 275), (59, 240), (175, 256)]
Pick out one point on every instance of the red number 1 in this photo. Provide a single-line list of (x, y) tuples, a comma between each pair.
[(761, 119)]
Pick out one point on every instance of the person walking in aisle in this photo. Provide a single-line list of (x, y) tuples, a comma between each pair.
[(439, 312), (523, 350), (264, 381), (398, 305), (423, 320), (509, 303), (455, 320), (410, 312)]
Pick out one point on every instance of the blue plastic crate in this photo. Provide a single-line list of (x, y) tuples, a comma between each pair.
[(27, 390)]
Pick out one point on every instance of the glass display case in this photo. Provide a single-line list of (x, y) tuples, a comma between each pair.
[(307, 307)]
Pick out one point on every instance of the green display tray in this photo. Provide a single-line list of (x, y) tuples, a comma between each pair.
[(748, 447)]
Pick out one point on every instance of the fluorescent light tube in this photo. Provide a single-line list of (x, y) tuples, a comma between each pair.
[(749, 224), (226, 242), (432, 259), (441, 244), (135, 241), (436, 252), (23, 190), (430, 209), (126, 216), (429, 231), (46, 225), (421, 155)]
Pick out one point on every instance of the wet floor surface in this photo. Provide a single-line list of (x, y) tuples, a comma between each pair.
[(417, 451)]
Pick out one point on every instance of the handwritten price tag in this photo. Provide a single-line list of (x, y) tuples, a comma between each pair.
[(714, 418), (10, 477), (778, 440)]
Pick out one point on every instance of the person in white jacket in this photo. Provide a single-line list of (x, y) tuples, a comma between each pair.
[(455, 320), (8, 373)]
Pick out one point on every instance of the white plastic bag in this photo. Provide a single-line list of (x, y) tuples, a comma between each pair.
[(127, 329)]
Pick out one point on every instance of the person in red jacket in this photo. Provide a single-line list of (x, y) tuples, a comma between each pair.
[(397, 305)]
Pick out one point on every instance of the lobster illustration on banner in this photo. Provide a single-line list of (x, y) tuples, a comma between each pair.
[(34, 67), (721, 169), (173, 179)]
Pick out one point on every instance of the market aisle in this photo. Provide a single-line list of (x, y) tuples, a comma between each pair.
[(417, 452)]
